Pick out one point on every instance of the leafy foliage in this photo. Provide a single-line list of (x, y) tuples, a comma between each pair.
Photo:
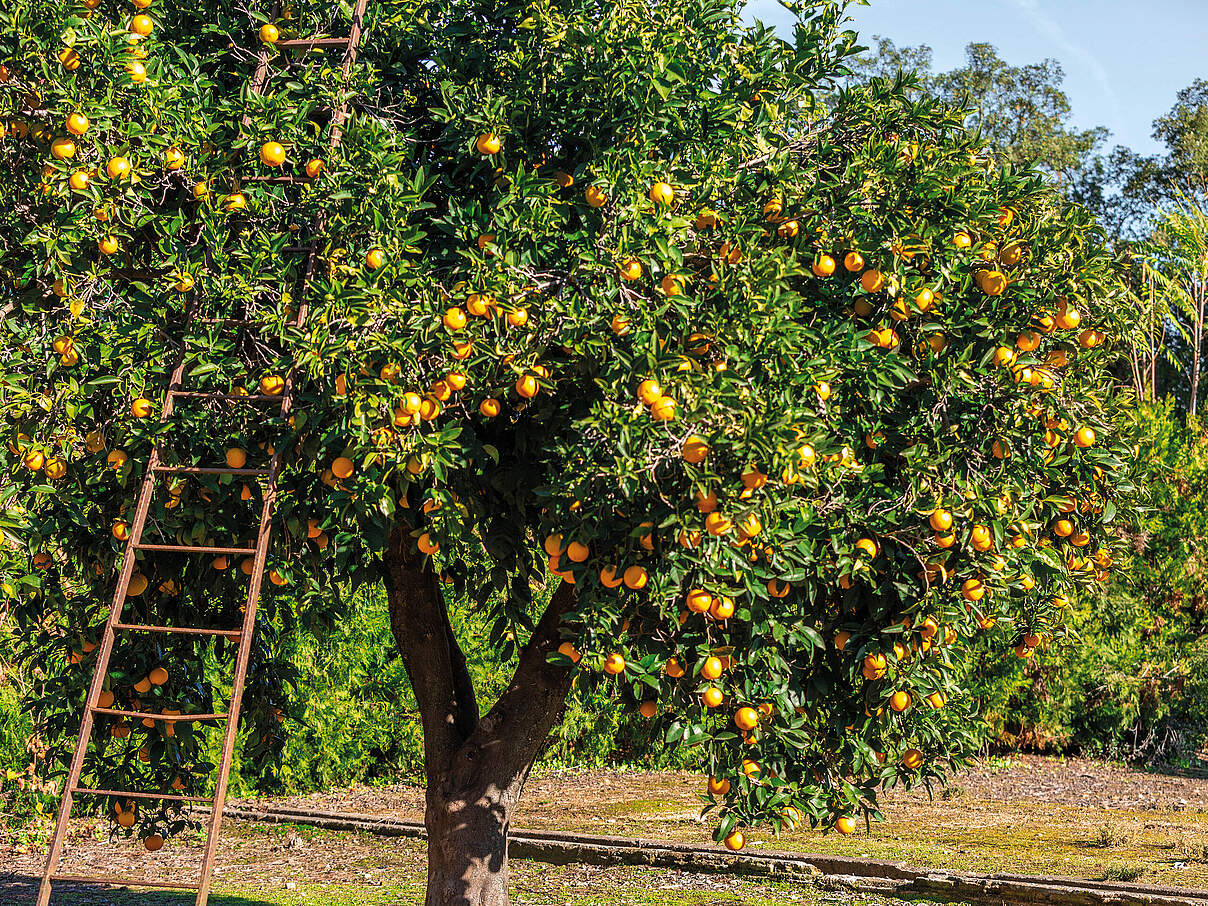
[(799, 397)]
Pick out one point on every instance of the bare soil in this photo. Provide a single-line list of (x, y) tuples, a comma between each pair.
[(1031, 815)]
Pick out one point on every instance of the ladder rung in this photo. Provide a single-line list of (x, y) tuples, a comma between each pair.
[(207, 395), (209, 470), (166, 797), (311, 42), (178, 630), (123, 882), (157, 715), (193, 549)]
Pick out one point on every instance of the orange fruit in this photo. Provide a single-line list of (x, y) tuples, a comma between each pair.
[(746, 719), (662, 193), (527, 386), (142, 26), (342, 467), (488, 144), (872, 281), (614, 664), (845, 824), (635, 578), (899, 701), (735, 841), (853, 261), (269, 33), (595, 196), (694, 450), (630, 270), (117, 168), (718, 786), (823, 266)]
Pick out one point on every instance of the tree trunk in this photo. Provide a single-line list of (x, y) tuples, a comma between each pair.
[(467, 845), (475, 767)]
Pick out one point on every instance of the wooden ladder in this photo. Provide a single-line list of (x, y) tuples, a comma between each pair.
[(134, 544)]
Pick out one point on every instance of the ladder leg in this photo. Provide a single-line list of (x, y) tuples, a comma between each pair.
[(241, 665)]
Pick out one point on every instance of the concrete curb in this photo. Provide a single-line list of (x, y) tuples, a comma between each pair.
[(832, 872)]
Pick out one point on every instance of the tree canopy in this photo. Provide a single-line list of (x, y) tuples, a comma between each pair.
[(755, 396)]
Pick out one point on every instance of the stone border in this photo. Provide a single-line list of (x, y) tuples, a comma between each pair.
[(831, 872)]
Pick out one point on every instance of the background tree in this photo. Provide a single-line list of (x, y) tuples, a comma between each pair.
[(1022, 111), (760, 408)]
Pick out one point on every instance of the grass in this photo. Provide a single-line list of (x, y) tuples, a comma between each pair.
[(533, 885)]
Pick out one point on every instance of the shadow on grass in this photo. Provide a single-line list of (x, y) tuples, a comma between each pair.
[(19, 890)]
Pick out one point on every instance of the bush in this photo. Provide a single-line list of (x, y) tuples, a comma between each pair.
[(1130, 679)]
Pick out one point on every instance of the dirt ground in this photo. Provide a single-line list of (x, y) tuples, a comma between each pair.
[(1031, 815)]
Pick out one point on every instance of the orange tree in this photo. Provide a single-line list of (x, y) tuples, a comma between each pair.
[(755, 409)]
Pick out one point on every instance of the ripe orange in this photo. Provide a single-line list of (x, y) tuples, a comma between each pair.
[(712, 697), (614, 664), (735, 841), (823, 266), (79, 181), (236, 458), (489, 407), (662, 193), (874, 666), (717, 523), (663, 409), (142, 26), (117, 168), (872, 281), (853, 261), (158, 676), (527, 386), (635, 578), (136, 71), (140, 408), (595, 196), (272, 154), (272, 385), (694, 449), (941, 520), (962, 240), (566, 649), (845, 824), (630, 270), (746, 719), (314, 168), (698, 601), (899, 701), (671, 285), (454, 318), (718, 786), (269, 33), (342, 467), (721, 609), (62, 149), (488, 144), (712, 668), (973, 590), (912, 759), (868, 547), (108, 245), (1084, 437), (648, 709), (77, 124), (153, 843)]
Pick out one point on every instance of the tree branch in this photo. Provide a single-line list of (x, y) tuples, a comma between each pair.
[(434, 662), (512, 733)]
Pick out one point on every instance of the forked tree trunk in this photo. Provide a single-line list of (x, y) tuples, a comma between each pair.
[(475, 766)]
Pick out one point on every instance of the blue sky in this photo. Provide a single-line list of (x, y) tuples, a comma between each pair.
[(1124, 61)]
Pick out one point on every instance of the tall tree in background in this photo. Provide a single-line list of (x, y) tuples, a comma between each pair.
[(1022, 111), (1177, 253)]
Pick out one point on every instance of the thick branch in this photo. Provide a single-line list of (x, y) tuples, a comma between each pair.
[(431, 656), (511, 735)]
